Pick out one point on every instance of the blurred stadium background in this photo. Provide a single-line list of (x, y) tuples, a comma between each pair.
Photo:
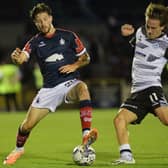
[(98, 25)]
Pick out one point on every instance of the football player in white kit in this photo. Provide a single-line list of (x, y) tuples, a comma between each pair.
[(150, 56)]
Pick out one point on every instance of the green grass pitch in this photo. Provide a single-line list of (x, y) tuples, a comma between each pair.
[(51, 142)]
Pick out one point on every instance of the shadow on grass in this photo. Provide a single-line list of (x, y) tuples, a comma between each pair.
[(103, 160)]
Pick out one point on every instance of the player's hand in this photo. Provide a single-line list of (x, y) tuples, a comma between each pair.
[(15, 56), (68, 68), (127, 30)]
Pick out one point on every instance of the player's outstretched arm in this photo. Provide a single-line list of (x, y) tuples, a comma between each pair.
[(18, 56), (127, 30)]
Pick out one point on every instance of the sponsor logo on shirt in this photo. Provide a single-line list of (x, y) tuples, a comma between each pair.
[(41, 44), (55, 57)]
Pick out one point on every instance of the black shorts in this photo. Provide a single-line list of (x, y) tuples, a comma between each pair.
[(146, 101)]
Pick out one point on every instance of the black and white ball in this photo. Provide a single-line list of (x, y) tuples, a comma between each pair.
[(83, 156)]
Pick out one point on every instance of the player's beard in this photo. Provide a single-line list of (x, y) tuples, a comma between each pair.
[(45, 29), (149, 35)]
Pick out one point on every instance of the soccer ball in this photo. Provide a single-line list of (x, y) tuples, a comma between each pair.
[(82, 156)]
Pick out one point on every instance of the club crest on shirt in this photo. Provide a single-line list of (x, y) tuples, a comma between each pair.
[(62, 41)]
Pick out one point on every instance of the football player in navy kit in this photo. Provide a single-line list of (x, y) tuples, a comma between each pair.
[(150, 56), (59, 53)]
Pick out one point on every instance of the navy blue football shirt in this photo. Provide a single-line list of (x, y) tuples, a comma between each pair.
[(62, 48)]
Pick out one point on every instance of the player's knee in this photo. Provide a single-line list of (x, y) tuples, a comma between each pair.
[(82, 91), (118, 120), (165, 122), (162, 115), (82, 87)]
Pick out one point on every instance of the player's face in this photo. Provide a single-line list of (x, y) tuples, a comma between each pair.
[(43, 22), (153, 28)]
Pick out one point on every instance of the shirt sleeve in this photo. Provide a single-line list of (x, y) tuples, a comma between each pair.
[(77, 45), (28, 48)]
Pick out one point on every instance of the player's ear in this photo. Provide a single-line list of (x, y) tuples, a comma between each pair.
[(162, 28), (51, 18)]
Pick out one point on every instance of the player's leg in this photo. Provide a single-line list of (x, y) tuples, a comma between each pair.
[(121, 121), (159, 104), (33, 116), (162, 114), (81, 93)]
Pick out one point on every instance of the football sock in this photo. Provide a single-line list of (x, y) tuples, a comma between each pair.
[(85, 132), (21, 138), (86, 114), (125, 151), (19, 148)]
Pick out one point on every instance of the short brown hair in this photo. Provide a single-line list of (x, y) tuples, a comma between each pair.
[(38, 8), (157, 11)]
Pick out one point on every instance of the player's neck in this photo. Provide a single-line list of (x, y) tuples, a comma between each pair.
[(51, 32)]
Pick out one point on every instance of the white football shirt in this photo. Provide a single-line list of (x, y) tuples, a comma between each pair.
[(149, 61)]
